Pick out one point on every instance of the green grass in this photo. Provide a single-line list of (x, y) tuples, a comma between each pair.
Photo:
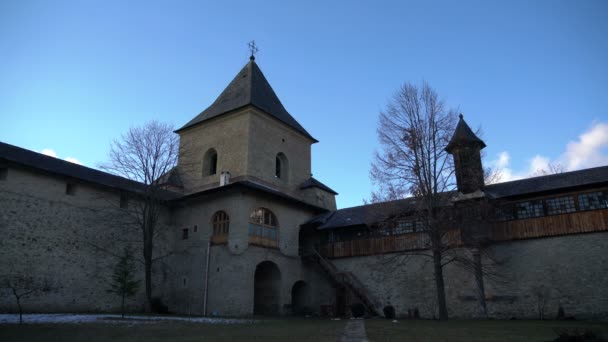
[(471, 330), (265, 330), (295, 329)]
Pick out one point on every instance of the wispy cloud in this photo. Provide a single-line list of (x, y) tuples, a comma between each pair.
[(51, 153), (589, 150)]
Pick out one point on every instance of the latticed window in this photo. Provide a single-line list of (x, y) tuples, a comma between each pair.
[(560, 205), (263, 227), (529, 209), (593, 201), (221, 223), (404, 227)]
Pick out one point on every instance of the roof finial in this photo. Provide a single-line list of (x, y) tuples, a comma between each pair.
[(253, 49), (460, 116)]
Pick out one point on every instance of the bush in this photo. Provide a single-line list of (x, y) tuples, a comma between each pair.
[(358, 310), (389, 312), (158, 306)]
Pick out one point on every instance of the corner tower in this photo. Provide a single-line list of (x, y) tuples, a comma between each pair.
[(465, 147)]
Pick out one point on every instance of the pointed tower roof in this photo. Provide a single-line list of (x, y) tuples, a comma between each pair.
[(249, 87), (463, 135)]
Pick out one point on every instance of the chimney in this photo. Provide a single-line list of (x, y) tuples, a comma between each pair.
[(224, 178)]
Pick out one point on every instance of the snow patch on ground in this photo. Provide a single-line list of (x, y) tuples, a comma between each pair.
[(111, 319)]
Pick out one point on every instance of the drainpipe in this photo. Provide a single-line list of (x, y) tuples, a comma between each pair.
[(206, 293)]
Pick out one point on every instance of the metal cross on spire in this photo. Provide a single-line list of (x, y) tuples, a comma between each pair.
[(253, 49)]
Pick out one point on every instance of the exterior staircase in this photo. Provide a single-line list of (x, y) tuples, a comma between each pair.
[(348, 280)]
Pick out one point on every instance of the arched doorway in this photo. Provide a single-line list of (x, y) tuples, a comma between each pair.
[(267, 289), (300, 298)]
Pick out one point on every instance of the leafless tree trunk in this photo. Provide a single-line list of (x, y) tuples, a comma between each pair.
[(413, 133), (22, 286), (144, 154)]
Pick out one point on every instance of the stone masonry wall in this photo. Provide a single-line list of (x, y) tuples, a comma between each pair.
[(233, 265), (569, 271), (67, 241)]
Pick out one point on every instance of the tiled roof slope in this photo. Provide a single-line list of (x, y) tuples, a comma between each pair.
[(364, 214), (249, 87), (560, 181), (376, 212), (313, 183), (57, 166)]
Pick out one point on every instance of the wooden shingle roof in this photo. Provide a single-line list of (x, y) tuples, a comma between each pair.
[(249, 87)]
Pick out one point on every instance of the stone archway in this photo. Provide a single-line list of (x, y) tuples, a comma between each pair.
[(267, 289), (300, 298)]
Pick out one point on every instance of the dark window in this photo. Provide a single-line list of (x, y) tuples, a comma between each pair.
[(505, 213), (592, 201), (277, 167), (210, 162), (213, 164), (70, 189), (281, 167), (529, 209), (195, 228), (185, 234), (3, 173), (560, 205), (221, 223), (124, 201)]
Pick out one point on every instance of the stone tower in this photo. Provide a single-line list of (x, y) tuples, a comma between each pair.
[(466, 147), (246, 134)]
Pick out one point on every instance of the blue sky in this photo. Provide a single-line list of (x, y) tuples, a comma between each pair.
[(532, 74)]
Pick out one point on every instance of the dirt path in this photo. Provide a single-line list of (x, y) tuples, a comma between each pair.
[(354, 331)]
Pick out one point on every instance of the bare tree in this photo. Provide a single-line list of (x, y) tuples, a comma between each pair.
[(144, 154), (413, 132), (22, 286), (552, 169)]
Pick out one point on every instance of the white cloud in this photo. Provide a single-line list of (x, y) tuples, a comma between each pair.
[(73, 160), (589, 150), (49, 152)]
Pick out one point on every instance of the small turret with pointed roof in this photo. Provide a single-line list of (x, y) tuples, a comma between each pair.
[(465, 147)]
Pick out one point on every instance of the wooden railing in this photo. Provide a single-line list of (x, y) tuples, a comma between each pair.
[(260, 241), (350, 281), (219, 239), (546, 226), (386, 244), (554, 225)]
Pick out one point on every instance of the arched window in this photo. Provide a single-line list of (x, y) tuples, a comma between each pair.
[(221, 227), (210, 162), (281, 166), (263, 228)]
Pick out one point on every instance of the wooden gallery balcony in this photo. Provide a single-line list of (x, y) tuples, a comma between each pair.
[(553, 225), (384, 244)]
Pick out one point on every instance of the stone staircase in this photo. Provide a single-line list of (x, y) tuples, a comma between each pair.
[(348, 280)]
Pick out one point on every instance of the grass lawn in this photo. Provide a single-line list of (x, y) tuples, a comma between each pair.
[(423, 330), (265, 330)]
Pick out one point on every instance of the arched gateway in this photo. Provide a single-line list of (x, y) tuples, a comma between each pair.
[(267, 289), (300, 298)]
